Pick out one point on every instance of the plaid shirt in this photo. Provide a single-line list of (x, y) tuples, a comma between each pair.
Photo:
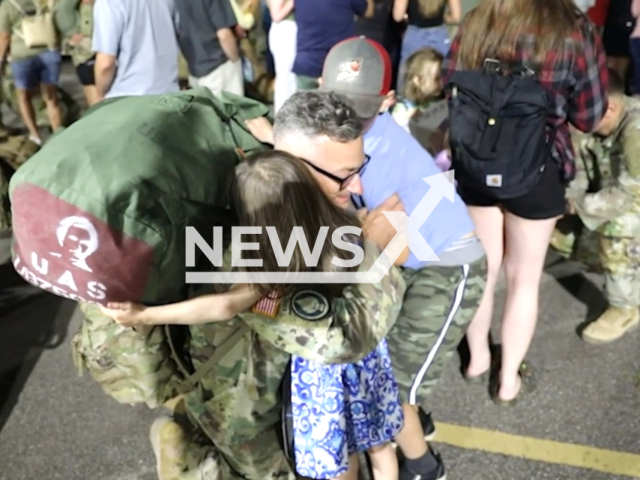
[(576, 80)]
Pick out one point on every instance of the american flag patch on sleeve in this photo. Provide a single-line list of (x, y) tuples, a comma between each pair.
[(269, 305)]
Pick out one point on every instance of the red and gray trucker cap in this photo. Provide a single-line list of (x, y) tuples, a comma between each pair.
[(360, 69)]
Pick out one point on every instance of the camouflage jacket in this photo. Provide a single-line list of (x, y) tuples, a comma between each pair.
[(606, 190), (240, 397)]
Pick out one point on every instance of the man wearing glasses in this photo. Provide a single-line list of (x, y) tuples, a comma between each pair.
[(442, 296)]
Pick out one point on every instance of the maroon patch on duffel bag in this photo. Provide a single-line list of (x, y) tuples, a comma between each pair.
[(70, 253)]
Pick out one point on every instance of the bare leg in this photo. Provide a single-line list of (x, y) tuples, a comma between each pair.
[(384, 462), (352, 473), (50, 96), (411, 438), (28, 114), (526, 245), (489, 223)]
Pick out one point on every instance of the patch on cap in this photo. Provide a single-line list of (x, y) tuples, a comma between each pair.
[(349, 70)]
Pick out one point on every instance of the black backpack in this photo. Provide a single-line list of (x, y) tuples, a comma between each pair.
[(498, 135)]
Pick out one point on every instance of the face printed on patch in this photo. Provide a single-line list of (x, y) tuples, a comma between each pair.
[(73, 254), (79, 240)]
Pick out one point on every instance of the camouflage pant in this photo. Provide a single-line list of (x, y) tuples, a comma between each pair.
[(620, 257), (438, 305), (259, 459), (132, 366), (575, 242)]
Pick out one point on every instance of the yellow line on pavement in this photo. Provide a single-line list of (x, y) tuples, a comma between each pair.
[(548, 451)]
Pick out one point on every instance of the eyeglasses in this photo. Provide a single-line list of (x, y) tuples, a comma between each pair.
[(344, 182)]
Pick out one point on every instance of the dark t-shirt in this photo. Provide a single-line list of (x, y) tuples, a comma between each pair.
[(417, 19), (322, 24), (381, 27), (199, 20)]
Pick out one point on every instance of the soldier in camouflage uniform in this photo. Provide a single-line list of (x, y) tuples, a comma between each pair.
[(611, 208), (234, 396), (571, 238), (238, 404)]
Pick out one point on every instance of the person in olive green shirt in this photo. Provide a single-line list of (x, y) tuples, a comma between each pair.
[(74, 20), (31, 67)]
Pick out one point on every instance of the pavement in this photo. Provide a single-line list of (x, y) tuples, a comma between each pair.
[(583, 421)]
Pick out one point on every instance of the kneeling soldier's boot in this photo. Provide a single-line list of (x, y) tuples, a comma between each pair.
[(612, 325), (177, 458)]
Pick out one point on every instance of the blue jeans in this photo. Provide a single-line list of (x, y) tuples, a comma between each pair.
[(31, 72), (416, 38)]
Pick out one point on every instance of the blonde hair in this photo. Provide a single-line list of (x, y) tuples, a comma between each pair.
[(495, 27), (425, 66), (431, 8)]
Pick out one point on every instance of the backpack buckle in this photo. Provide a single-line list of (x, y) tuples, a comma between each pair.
[(491, 65)]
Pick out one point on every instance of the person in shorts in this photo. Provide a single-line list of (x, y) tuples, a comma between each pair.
[(32, 67), (516, 232), (74, 21)]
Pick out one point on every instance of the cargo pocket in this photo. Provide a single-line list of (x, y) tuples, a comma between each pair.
[(130, 366)]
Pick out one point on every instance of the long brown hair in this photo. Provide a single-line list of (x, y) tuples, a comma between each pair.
[(431, 8), (494, 28), (276, 189)]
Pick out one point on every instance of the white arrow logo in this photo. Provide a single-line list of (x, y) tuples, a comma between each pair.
[(407, 234)]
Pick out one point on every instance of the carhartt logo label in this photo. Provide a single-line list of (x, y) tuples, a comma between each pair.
[(407, 235), (494, 180)]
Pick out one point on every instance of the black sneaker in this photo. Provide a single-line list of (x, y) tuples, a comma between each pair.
[(438, 473), (428, 427)]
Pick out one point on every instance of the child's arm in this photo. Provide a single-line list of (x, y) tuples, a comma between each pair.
[(204, 309)]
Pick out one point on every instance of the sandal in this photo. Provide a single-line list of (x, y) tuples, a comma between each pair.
[(477, 379), (528, 384), (487, 375)]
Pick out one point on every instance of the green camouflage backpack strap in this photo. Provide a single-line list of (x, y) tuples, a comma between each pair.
[(131, 365), (192, 379)]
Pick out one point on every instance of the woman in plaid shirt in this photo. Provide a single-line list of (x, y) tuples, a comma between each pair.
[(558, 42)]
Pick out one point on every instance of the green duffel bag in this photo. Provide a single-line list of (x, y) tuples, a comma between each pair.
[(100, 212)]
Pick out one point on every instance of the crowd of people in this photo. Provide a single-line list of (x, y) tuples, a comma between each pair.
[(374, 101)]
